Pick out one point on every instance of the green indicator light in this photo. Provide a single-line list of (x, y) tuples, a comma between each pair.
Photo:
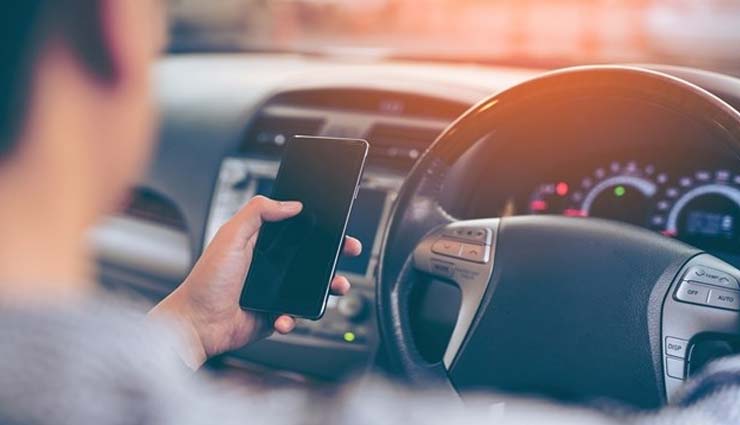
[(349, 336), (619, 191)]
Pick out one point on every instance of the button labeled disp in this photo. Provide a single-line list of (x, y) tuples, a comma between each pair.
[(675, 347)]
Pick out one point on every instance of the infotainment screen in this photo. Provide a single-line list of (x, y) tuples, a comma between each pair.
[(363, 223)]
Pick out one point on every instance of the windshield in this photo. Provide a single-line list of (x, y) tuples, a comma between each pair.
[(547, 33)]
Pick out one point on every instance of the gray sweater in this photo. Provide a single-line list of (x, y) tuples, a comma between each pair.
[(102, 363)]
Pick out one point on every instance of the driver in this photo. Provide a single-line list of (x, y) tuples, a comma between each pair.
[(76, 128)]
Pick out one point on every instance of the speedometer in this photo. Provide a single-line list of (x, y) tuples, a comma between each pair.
[(702, 209), (622, 192)]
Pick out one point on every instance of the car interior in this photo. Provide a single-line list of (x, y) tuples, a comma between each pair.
[(551, 203)]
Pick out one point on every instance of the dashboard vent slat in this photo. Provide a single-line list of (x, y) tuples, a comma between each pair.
[(267, 135), (399, 146)]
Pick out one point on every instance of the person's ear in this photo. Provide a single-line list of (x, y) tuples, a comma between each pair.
[(130, 32)]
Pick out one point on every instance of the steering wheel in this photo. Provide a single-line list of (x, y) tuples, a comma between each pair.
[(572, 308)]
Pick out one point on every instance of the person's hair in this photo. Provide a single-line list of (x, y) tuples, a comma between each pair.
[(25, 28)]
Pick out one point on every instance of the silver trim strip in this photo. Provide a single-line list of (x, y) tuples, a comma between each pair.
[(143, 246), (472, 278)]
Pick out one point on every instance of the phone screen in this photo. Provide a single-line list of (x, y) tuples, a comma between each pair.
[(294, 260)]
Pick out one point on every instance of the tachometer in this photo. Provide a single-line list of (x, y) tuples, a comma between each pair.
[(702, 209), (622, 192)]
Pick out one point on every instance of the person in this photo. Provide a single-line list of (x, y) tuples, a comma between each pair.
[(76, 128)]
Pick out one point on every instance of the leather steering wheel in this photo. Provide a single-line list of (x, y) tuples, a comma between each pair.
[(567, 307)]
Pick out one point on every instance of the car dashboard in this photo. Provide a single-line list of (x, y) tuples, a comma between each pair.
[(225, 119)]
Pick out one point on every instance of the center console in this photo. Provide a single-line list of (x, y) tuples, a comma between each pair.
[(399, 128)]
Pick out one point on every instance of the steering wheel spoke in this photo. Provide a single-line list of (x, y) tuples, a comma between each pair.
[(461, 252)]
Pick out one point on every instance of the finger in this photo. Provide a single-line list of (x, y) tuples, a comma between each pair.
[(259, 209), (284, 324), (352, 247), (340, 286)]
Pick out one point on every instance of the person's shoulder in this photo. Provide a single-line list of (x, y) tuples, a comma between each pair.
[(95, 361)]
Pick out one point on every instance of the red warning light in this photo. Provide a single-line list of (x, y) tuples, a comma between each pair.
[(538, 205), (561, 189), (571, 212)]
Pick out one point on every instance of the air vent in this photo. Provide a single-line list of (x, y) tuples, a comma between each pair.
[(147, 205), (268, 134), (399, 146)]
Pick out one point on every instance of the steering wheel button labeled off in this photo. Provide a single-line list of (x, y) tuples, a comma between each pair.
[(691, 293), (724, 299), (712, 277), (447, 247)]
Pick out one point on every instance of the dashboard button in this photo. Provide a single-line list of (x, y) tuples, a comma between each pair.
[(725, 299), (675, 347), (711, 277), (674, 367), (691, 293), (447, 247), (353, 307), (477, 253)]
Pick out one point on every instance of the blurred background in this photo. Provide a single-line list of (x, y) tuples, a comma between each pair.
[(537, 33)]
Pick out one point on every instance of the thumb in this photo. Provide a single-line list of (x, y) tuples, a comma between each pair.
[(259, 209)]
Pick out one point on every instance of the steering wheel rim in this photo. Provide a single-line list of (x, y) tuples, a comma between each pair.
[(417, 211)]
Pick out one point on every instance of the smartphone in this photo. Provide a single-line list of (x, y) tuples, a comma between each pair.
[(294, 260)]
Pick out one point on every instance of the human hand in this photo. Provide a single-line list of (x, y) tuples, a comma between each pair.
[(206, 305)]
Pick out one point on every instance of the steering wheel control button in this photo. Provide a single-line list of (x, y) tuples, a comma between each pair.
[(712, 277), (447, 247), (729, 300), (442, 268), (475, 253), (471, 234), (674, 367), (691, 293), (676, 347)]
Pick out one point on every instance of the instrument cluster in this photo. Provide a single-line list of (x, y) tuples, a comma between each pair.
[(701, 207)]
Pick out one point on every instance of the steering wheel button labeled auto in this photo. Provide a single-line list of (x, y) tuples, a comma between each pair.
[(447, 247), (676, 347), (692, 293), (724, 299), (711, 277), (476, 253), (674, 367)]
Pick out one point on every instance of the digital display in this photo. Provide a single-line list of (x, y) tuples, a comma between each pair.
[(704, 223), (363, 223)]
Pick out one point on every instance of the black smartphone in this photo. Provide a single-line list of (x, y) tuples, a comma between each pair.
[(294, 260)]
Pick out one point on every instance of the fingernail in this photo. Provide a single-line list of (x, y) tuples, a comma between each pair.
[(286, 324), (291, 205)]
